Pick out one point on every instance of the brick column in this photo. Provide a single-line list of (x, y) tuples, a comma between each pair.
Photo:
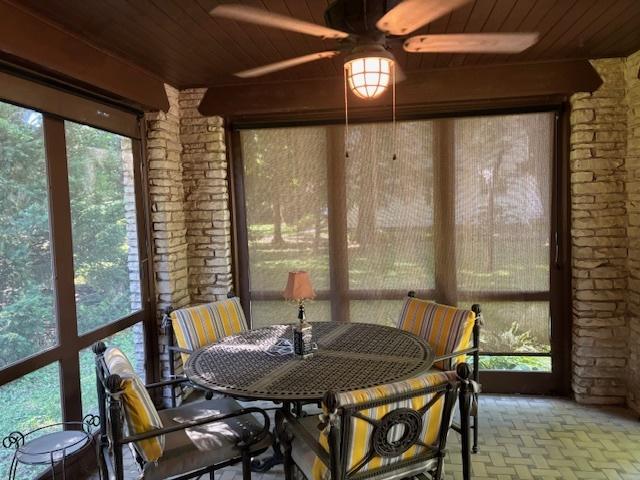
[(167, 215), (207, 200), (190, 208), (599, 243), (632, 84)]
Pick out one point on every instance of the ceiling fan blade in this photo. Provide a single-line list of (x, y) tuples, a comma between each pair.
[(410, 15), (243, 13), (291, 62), (471, 43)]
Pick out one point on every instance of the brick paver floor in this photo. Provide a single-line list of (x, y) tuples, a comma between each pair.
[(531, 438)]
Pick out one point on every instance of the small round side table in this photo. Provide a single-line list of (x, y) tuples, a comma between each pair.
[(52, 446)]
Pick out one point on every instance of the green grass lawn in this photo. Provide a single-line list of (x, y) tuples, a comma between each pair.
[(33, 401)]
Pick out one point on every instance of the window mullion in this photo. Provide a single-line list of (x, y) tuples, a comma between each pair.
[(444, 215), (337, 206), (63, 272)]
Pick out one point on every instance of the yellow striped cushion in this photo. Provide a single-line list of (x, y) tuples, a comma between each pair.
[(447, 329), (139, 412), (202, 325), (361, 430)]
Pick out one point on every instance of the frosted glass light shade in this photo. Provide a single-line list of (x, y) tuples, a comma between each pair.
[(369, 77)]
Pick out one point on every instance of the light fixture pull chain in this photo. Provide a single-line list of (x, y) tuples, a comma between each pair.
[(346, 115), (393, 106)]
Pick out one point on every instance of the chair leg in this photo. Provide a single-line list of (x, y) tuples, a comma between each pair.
[(465, 397), (285, 444), (474, 449), (438, 473), (246, 464)]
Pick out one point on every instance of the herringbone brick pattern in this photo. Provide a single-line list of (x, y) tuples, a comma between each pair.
[(535, 438)]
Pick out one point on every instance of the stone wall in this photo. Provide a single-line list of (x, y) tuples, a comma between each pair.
[(169, 231), (599, 243), (632, 86), (605, 198), (189, 210), (207, 201)]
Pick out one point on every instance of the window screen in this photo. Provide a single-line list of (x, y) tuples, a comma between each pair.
[(461, 215)]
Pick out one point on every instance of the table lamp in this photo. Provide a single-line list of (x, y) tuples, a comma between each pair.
[(299, 289)]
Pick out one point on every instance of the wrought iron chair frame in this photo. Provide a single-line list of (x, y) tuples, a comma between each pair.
[(474, 352), (339, 435), (111, 438)]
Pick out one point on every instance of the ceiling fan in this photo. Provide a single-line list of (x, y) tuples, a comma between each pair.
[(364, 30)]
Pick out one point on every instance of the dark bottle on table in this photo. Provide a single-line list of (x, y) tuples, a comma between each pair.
[(302, 335)]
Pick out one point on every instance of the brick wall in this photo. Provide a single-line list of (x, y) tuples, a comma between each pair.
[(605, 198), (189, 209), (632, 87), (207, 201), (599, 243)]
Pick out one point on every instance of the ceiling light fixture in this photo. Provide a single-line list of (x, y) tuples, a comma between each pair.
[(369, 71)]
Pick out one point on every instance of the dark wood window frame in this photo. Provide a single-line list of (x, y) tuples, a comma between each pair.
[(559, 294), (56, 105)]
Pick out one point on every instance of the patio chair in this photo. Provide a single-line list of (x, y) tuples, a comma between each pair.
[(391, 431), (180, 443), (200, 325), (453, 333)]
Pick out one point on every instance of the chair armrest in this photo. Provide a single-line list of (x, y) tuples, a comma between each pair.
[(203, 421), (293, 424), (467, 351), (166, 383), (178, 349)]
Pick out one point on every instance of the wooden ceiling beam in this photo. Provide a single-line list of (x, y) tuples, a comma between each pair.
[(463, 85), (39, 45)]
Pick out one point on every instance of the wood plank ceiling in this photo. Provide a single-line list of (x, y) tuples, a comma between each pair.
[(178, 41)]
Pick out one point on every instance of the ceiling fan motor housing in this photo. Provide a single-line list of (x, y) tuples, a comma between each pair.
[(357, 17)]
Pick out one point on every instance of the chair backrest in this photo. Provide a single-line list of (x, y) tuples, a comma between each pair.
[(390, 427), (447, 329), (137, 408), (201, 325)]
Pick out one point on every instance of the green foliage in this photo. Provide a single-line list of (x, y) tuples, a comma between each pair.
[(27, 316), (101, 255), (511, 339), (516, 362)]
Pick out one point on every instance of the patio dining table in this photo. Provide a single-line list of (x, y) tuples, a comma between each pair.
[(349, 356)]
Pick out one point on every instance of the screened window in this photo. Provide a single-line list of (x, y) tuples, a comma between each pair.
[(27, 316), (70, 255), (103, 217), (462, 216)]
